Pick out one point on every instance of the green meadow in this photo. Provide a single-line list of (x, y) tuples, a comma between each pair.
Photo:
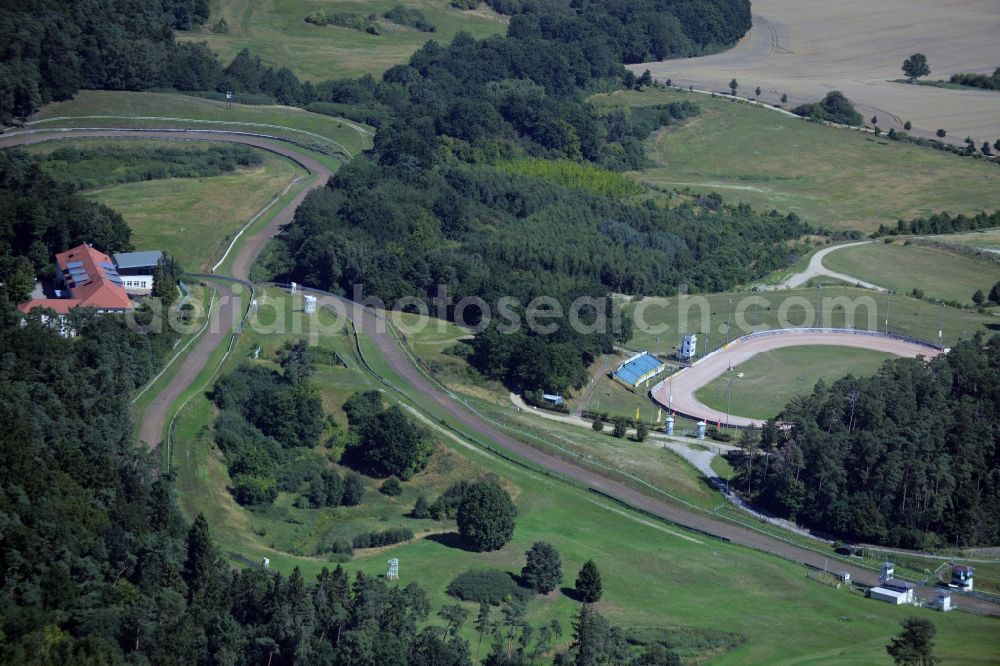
[(276, 31), (830, 177)]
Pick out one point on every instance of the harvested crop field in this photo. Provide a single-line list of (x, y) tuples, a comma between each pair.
[(806, 49)]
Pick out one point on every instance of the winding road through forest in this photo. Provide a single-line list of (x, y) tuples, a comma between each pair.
[(399, 360)]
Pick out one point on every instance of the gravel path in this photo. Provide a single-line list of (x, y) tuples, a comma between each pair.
[(817, 269)]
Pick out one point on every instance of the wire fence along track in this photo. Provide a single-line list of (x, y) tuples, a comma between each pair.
[(168, 440), (284, 128), (256, 217), (197, 335), (68, 130)]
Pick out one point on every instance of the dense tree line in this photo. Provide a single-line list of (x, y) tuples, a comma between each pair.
[(630, 31), (986, 81), (908, 457), (49, 49), (40, 217), (89, 527), (940, 223)]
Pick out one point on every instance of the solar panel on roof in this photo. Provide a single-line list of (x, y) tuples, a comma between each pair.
[(74, 264), (115, 279), (108, 264)]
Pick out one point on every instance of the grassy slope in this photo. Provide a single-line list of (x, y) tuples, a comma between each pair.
[(277, 32), (833, 178), (172, 110), (939, 273), (654, 574), (770, 380), (907, 316), (988, 239), (192, 218)]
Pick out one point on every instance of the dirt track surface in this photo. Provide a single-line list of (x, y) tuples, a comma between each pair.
[(677, 392), (805, 49), (227, 313), (400, 362)]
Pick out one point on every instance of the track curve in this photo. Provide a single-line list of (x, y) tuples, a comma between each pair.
[(228, 312), (677, 393)]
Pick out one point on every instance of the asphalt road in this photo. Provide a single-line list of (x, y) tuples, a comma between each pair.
[(399, 360)]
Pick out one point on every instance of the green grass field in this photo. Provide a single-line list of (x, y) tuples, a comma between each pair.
[(147, 110), (771, 379), (669, 318), (194, 219), (830, 177), (276, 31), (938, 273), (987, 239), (655, 575)]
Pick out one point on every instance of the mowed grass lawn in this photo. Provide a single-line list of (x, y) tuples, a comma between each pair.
[(194, 219), (938, 273), (771, 379), (830, 177), (654, 574), (276, 30)]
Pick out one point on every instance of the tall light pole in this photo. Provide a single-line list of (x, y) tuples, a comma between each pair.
[(729, 401), (941, 326), (729, 318), (819, 307), (888, 309), (756, 297), (657, 348)]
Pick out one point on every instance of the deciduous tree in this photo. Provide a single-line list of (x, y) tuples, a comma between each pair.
[(916, 66)]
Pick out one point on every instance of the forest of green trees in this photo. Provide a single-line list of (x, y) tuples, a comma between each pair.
[(908, 457), (40, 217)]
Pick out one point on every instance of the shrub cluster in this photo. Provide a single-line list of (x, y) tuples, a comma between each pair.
[(384, 538), (490, 586)]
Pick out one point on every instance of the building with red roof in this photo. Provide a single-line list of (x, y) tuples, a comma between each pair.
[(92, 281)]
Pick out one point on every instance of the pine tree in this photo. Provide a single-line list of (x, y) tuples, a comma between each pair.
[(588, 584), (543, 570), (598, 424), (202, 566), (914, 645), (482, 623)]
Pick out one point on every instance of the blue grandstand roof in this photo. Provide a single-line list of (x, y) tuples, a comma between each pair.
[(633, 370)]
